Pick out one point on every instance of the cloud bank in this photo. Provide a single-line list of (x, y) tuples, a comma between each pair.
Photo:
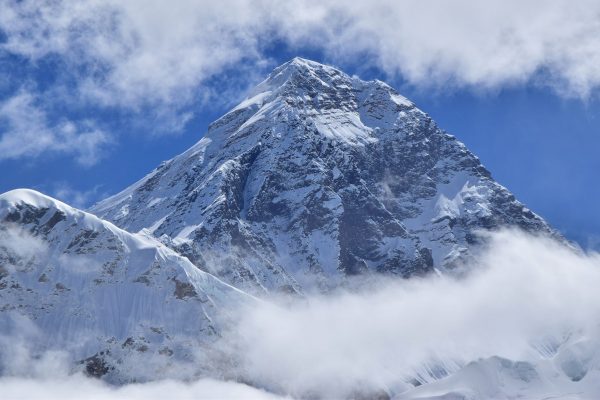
[(157, 59), (77, 387), (523, 322), (528, 299)]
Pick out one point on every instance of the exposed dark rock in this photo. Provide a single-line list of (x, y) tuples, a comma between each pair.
[(184, 289), (3, 272), (165, 351), (96, 366)]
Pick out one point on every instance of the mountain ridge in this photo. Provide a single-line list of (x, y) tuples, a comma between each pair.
[(106, 298)]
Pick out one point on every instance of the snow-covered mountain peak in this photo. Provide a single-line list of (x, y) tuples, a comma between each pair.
[(305, 84), (315, 177), (339, 108), (318, 181), (298, 68), (30, 197), (45, 213), (33, 206), (105, 295)]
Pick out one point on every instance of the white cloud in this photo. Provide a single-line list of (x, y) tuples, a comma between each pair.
[(462, 42), (159, 52), (32, 375), (154, 60), (528, 299), (74, 197), (525, 294), (25, 131), (135, 52), (47, 375), (77, 387), (21, 246)]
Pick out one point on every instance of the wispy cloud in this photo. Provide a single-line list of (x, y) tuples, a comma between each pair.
[(74, 197), (131, 54), (25, 131), (21, 246), (463, 43)]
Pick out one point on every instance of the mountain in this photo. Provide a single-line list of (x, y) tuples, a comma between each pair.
[(317, 177), (120, 305), (317, 180)]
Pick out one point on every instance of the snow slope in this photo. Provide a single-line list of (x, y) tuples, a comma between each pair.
[(499, 378), (120, 304)]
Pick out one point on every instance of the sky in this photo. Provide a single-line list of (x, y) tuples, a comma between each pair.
[(95, 94)]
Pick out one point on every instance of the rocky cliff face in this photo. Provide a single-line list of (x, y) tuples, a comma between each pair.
[(119, 305), (316, 177)]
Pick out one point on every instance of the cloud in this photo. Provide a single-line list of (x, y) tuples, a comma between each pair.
[(26, 131), (77, 198), (46, 375), (524, 322), (463, 43), (526, 295), (76, 387), (137, 52), (140, 51), (155, 62), (21, 247)]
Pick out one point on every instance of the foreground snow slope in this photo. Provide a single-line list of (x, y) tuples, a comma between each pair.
[(122, 304), (315, 177), (499, 378)]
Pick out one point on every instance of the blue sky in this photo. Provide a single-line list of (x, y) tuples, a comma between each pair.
[(94, 95)]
